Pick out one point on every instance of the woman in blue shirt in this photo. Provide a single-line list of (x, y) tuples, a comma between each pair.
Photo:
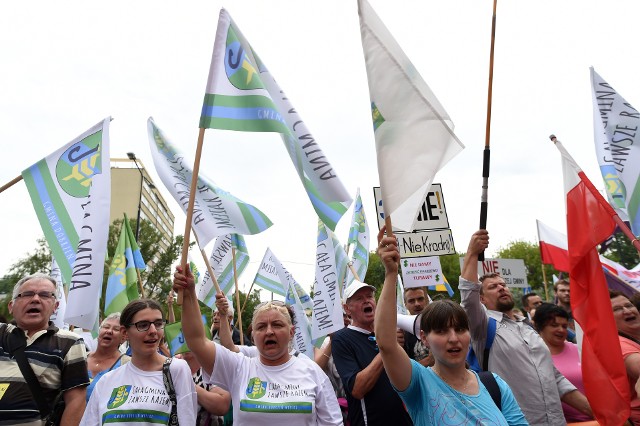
[(447, 393)]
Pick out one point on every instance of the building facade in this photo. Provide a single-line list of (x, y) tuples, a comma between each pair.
[(132, 190)]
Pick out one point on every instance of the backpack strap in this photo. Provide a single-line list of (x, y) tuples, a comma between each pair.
[(491, 334), (17, 344), (171, 391), (489, 382)]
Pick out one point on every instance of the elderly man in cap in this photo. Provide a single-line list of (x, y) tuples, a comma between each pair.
[(370, 396)]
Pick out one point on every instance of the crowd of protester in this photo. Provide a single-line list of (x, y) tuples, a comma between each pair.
[(523, 369)]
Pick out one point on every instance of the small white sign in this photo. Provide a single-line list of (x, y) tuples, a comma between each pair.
[(512, 270), (421, 271), (432, 213), (425, 243)]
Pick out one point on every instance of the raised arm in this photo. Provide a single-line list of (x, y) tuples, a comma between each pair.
[(192, 327), (171, 315), (226, 339), (396, 361), (470, 290)]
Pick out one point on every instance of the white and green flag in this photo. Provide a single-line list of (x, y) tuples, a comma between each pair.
[(267, 275), (302, 336), (71, 193), (221, 261), (413, 132), (58, 315), (216, 212), (327, 300), (359, 237), (242, 95), (617, 140)]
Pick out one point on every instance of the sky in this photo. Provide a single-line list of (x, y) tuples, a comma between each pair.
[(67, 65)]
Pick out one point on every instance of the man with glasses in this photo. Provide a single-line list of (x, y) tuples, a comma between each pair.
[(57, 357)]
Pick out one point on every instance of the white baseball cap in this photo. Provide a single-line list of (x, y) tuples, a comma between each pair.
[(354, 287)]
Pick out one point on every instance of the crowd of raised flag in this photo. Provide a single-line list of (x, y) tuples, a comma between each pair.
[(278, 378)]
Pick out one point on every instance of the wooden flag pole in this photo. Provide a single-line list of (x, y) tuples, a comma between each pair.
[(247, 298), (209, 268), (487, 137), (10, 183), (140, 282), (544, 281), (235, 279), (192, 192)]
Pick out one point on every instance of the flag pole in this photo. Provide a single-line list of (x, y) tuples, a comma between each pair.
[(192, 192), (544, 281), (235, 279), (139, 282), (209, 268), (486, 156), (623, 226), (247, 298), (10, 183)]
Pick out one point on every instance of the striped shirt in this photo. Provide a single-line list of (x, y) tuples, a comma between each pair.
[(59, 361)]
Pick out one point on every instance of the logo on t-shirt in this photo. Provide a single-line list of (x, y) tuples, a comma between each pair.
[(256, 388), (119, 396)]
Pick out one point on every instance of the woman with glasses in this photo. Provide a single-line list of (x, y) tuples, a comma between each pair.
[(136, 392), (627, 320), (447, 390), (273, 388), (107, 355)]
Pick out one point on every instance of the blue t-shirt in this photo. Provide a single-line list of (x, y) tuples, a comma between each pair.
[(431, 401)]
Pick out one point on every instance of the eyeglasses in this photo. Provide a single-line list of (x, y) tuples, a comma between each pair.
[(44, 295), (144, 325), (628, 306)]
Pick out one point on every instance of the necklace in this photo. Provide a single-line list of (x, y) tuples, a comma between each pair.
[(466, 381)]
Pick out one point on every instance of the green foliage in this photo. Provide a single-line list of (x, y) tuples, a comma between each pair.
[(622, 251), (530, 253), (375, 272), (37, 261)]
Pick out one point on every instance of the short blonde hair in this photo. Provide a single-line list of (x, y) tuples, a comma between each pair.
[(272, 305)]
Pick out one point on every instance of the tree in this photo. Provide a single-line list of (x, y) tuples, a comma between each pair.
[(157, 278), (622, 251), (37, 261), (530, 253)]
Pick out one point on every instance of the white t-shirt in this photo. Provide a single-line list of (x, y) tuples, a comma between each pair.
[(296, 393), (134, 396)]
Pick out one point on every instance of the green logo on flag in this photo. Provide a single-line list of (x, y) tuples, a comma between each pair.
[(256, 388), (378, 119), (615, 187), (119, 396), (78, 164), (240, 71)]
